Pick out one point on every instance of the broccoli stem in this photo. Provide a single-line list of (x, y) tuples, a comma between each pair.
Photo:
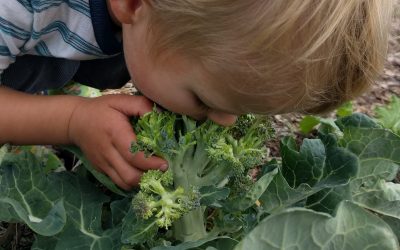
[(190, 227)]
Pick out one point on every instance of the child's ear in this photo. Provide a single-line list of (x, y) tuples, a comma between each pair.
[(125, 11)]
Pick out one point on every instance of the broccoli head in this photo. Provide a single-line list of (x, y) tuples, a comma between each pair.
[(199, 154), (157, 197)]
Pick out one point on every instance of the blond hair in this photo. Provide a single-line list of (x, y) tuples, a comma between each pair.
[(294, 55)]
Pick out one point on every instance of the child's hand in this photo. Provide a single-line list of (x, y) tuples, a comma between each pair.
[(101, 128)]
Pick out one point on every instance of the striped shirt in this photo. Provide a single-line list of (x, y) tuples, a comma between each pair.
[(70, 29)]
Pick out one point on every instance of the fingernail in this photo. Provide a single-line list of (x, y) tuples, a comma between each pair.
[(164, 167)]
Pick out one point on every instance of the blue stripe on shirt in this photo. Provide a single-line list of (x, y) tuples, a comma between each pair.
[(26, 4), (71, 38), (13, 30), (41, 5), (42, 49), (4, 51)]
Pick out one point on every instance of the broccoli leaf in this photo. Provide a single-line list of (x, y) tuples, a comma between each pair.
[(370, 151), (389, 115), (210, 195), (26, 196), (351, 228), (33, 194), (316, 165), (393, 223), (191, 244), (280, 195), (327, 200), (383, 198), (135, 230), (308, 123), (345, 110), (378, 152), (250, 196), (102, 178), (307, 171), (83, 203)]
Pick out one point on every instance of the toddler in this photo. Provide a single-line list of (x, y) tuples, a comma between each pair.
[(211, 59)]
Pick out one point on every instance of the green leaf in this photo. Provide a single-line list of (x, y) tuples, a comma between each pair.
[(102, 178), (228, 223), (190, 244), (44, 243), (137, 230), (345, 110), (83, 230), (49, 160), (28, 197), (364, 145), (308, 123), (389, 115), (382, 198), (280, 195), (394, 224), (356, 120), (316, 165), (3, 152), (211, 195), (73, 239), (27, 188), (339, 166), (250, 197), (299, 228), (50, 225), (119, 209), (378, 151), (328, 199), (304, 165)]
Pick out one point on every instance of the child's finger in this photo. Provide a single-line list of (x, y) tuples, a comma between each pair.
[(146, 163), (122, 143), (115, 177), (139, 160), (129, 174)]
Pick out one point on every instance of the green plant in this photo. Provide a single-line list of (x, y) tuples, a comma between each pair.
[(158, 198), (203, 160), (310, 122), (389, 115), (331, 192)]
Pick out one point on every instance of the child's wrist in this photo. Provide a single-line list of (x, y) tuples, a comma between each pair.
[(72, 124)]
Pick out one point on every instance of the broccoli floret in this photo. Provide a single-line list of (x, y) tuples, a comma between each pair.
[(158, 198), (199, 155)]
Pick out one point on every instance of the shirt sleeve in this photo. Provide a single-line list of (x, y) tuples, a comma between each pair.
[(6, 57), (15, 31)]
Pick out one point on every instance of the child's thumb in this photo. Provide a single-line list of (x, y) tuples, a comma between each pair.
[(132, 105)]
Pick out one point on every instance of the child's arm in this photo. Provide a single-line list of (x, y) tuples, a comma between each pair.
[(99, 126)]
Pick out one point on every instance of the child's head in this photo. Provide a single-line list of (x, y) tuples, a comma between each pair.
[(262, 56)]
